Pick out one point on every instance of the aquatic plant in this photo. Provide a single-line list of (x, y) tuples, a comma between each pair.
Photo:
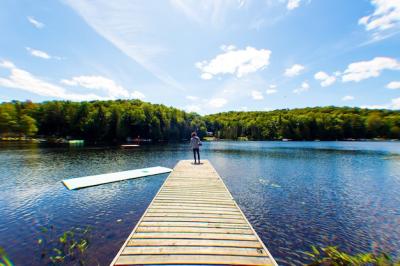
[(4, 260), (332, 256), (71, 245)]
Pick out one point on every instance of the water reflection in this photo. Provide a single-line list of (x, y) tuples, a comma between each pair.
[(295, 194)]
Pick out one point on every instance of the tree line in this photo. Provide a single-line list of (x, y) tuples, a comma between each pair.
[(109, 121), (114, 121), (323, 123)]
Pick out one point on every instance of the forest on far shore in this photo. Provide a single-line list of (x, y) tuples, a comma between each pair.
[(115, 121)]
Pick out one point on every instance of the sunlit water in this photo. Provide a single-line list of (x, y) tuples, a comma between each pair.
[(295, 194)]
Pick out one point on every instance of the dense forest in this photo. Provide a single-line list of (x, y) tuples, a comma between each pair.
[(110, 121), (115, 121)]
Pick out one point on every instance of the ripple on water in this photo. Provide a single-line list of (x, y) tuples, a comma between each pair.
[(295, 194)]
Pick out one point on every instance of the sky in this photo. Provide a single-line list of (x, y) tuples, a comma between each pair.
[(205, 56)]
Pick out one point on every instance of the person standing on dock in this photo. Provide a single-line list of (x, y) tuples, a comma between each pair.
[(195, 143)]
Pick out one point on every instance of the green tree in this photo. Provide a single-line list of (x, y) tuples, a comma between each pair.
[(27, 125)]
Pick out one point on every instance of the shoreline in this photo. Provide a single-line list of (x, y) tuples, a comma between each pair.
[(81, 141)]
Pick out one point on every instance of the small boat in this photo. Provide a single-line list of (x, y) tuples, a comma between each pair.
[(76, 141), (129, 146)]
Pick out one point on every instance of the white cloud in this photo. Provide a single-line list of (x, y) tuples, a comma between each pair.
[(217, 102), (7, 64), (193, 108), (137, 95), (227, 48), (294, 70), (385, 16), (337, 73), (206, 76), (367, 69), (348, 98), (321, 75), (394, 85), (292, 4), (235, 91), (257, 95), (207, 13), (38, 53), (41, 54), (35, 23), (375, 106), (192, 98), (329, 81), (236, 62), (23, 80), (325, 79), (271, 91), (112, 89), (303, 88), (129, 28), (394, 104)]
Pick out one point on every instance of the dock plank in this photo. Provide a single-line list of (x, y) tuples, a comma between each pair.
[(188, 229), (193, 220), (257, 252), (195, 224), (194, 242), (189, 259)]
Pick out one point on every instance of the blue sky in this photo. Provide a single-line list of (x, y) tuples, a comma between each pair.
[(203, 56)]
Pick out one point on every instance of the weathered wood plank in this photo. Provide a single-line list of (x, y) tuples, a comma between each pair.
[(220, 203), (194, 215), (188, 229), (164, 250), (162, 235), (225, 201), (195, 242), (191, 204), (196, 224), (177, 210), (193, 198), (191, 192), (194, 219), (191, 207), (193, 259)]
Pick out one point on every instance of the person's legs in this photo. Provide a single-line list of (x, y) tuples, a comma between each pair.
[(198, 155), (196, 152), (194, 155)]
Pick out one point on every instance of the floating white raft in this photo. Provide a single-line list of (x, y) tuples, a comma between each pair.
[(94, 180)]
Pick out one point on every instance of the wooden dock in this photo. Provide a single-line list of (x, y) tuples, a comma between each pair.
[(193, 220)]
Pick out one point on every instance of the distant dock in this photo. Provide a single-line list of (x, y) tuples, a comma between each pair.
[(193, 219)]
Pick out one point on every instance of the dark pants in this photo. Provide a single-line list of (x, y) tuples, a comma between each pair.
[(196, 151)]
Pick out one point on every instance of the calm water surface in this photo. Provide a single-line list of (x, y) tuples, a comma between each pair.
[(295, 194)]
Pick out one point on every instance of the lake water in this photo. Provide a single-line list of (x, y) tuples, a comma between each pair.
[(295, 194)]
